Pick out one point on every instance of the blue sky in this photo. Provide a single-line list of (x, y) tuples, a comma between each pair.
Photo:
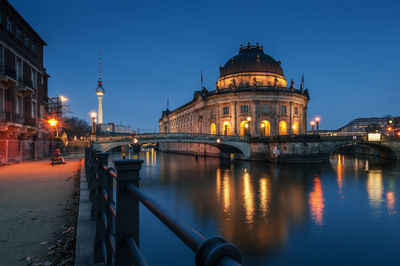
[(349, 52)]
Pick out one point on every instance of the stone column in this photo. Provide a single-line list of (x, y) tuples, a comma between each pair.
[(304, 114), (217, 119), (254, 126), (290, 129), (277, 117), (235, 118)]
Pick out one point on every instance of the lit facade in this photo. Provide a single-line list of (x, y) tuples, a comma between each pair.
[(251, 99)]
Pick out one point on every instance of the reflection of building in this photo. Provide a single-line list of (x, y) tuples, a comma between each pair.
[(23, 86), (251, 98)]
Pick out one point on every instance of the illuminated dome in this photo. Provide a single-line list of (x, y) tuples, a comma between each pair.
[(251, 59), (251, 66)]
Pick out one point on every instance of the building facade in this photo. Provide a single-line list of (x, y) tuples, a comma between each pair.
[(251, 99), (372, 125), (23, 82)]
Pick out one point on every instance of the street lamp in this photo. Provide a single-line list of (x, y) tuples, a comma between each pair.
[(317, 120), (93, 115), (53, 123), (312, 127), (248, 125), (263, 129)]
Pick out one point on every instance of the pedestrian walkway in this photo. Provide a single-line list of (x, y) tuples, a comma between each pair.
[(33, 199)]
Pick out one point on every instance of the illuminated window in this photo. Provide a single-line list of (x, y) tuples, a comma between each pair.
[(283, 109), (265, 128), (9, 25), (282, 128), (227, 128), (244, 109), (244, 128), (295, 128), (226, 110), (213, 129)]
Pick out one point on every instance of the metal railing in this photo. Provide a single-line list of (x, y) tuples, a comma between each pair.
[(117, 222)]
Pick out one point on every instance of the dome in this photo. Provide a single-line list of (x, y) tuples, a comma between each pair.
[(251, 59)]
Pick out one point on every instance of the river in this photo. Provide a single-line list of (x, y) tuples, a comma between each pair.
[(345, 212)]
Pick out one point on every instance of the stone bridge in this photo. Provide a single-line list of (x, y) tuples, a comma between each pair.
[(291, 148)]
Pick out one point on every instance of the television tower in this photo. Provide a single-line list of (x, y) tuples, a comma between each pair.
[(100, 92)]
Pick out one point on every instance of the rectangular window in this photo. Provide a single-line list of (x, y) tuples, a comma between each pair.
[(244, 109), (264, 109), (212, 112), (9, 25), (19, 33), (283, 109), (33, 47), (18, 69), (26, 41), (226, 111), (34, 110), (34, 78), (296, 111)]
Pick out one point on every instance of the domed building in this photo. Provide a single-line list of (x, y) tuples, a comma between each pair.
[(251, 99)]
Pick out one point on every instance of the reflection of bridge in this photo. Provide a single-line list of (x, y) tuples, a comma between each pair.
[(292, 148)]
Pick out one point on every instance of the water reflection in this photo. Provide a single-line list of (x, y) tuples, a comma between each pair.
[(317, 202), (375, 188), (261, 206)]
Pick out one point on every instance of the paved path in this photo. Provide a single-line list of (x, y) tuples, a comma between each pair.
[(33, 196)]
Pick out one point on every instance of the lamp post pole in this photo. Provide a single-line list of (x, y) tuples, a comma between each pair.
[(312, 127), (94, 135), (248, 120), (317, 120)]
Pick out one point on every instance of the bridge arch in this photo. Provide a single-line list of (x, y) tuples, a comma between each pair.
[(384, 151)]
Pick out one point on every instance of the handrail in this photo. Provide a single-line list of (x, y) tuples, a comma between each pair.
[(187, 234), (117, 224)]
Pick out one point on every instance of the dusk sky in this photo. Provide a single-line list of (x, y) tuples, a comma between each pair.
[(154, 50)]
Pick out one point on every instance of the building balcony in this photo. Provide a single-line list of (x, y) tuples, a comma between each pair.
[(8, 76), (10, 117), (25, 87)]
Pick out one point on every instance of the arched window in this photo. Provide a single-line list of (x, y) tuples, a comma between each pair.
[(295, 128), (265, 128), (226, 128), (244, 128), (213, 129), (282, 128)]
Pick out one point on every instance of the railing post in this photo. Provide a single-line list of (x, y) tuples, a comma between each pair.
[(127, 220), (102, 158)]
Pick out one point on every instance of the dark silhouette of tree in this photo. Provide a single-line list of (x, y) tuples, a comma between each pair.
[(75, 126)]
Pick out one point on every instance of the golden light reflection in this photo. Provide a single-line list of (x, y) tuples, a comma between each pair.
[(226, 193), (390, 200), (264, 195), (375, 188), (147, 157), (218, 180), (248, 198), (340, 175), (316, 201)]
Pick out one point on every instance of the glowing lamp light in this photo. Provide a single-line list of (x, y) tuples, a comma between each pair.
[(389, 129), (63, 99), (398, 134), (294, 126), (317, 119), (246, 125), (225, 123), (390, 121), (52, 122), (93, 114), (218, 140), (312, 123), (135, 140), (262, 125), (248, 118)]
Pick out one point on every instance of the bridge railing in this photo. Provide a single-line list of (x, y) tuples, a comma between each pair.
[(117, 222), (147, 136)]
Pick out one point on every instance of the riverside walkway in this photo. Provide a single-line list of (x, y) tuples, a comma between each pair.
[(33, 198)]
